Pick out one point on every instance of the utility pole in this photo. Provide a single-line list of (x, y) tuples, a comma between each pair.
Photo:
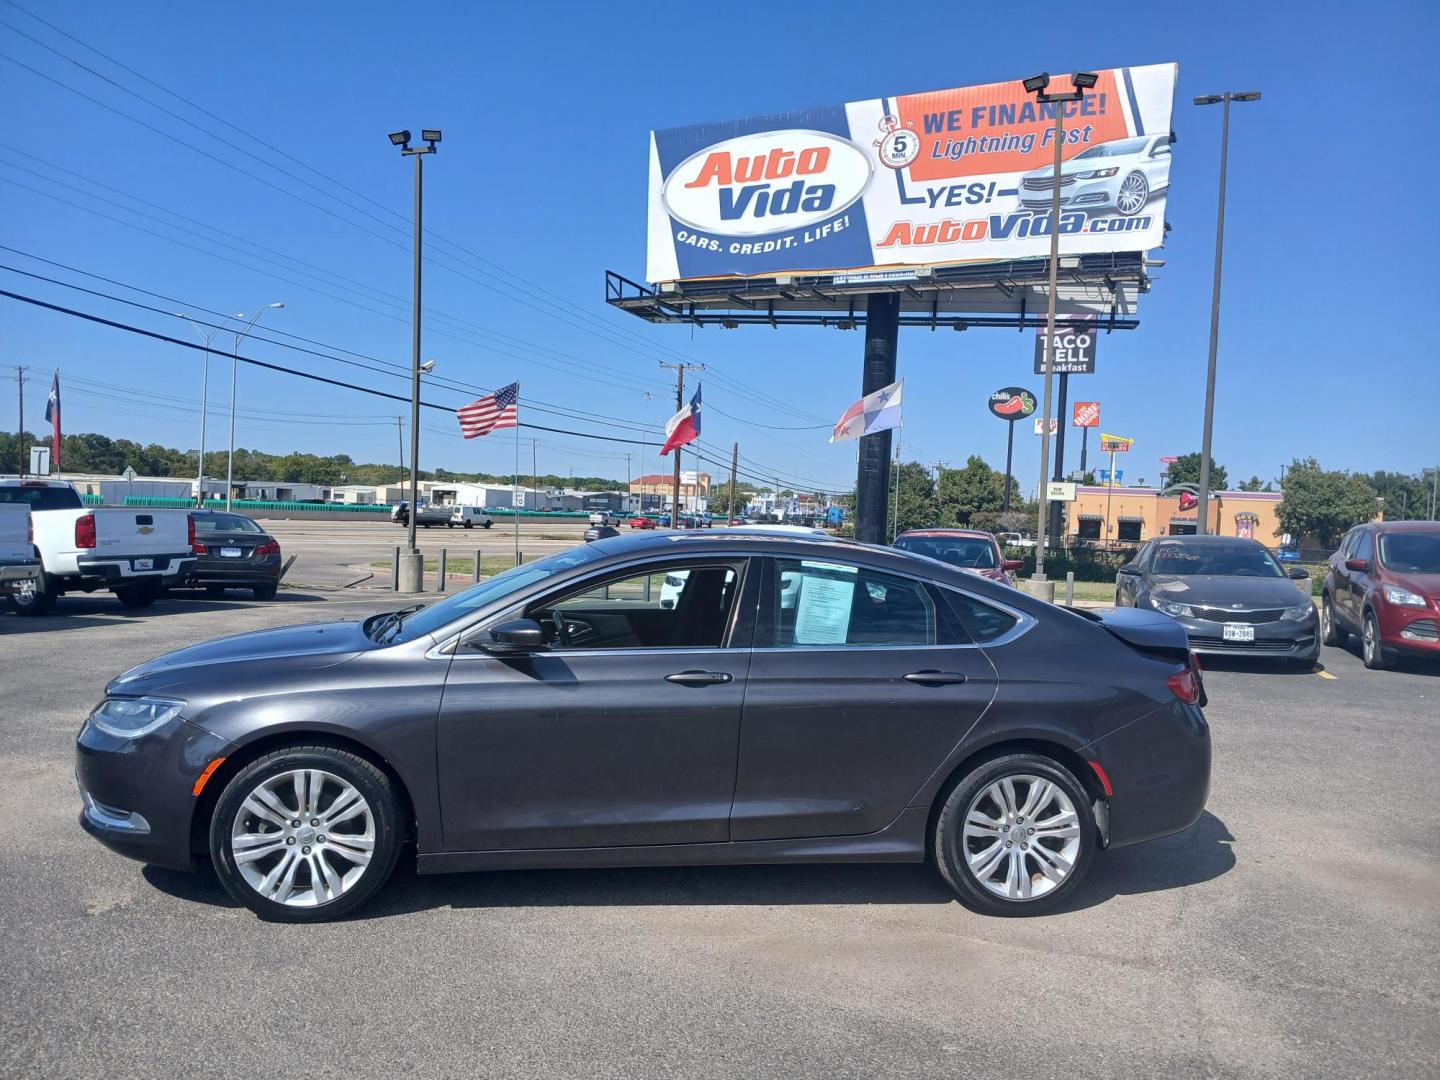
[(20, 441), (207, 337), (679, 370), (535, 473), (734, 468), (400, 437)]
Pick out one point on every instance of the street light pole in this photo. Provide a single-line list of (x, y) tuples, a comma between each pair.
[(1038, 85), (234, 369), (402, 139), (1202, 518), (207, 338)]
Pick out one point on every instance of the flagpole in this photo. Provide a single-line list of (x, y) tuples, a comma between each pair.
[(515, 510), (895, 517)]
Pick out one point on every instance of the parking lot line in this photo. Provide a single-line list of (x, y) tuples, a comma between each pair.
[(1326, 675)]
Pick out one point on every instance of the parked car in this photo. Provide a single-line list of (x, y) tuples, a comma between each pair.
[(600, 532), (1287, 553), (1383, 584), (640, 521), (602, 517), (400, 513), (18, 562), (467, 517), (1014, 539), (1229, 594), (968, 549), (233, 551), (557, 715), (1119, 176), (135, 552), (431, 514)]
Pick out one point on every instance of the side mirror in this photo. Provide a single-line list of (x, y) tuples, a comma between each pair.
[(1012, 564), (1360, 566), (1298, 572), (1129, 568), (514, 638)]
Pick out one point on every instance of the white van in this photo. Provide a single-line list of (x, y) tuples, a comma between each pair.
[(468, 517)]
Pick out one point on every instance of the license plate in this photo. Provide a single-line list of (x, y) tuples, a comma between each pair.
[(143, 564), (1239, 632), (230, 553)]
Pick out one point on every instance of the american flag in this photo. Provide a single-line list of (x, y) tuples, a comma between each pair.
[(493, 412)]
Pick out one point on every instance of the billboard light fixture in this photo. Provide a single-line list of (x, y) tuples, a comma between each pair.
[(1247, 95), (1084, 80), (430, 135), (1036, 83), (400, 138)]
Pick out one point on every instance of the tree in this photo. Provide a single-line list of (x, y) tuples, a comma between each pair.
[(963, 493), (1323, 503), (1254, 484), (1186, 470), (1407, 497), (916, 498)]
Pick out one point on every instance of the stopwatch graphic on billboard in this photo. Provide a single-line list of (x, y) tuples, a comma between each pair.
[(948, 176)]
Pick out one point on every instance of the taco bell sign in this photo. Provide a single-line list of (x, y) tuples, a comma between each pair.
[(1074, 347)]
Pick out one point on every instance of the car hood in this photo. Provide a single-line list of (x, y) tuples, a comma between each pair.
[(1420, 584), (315, 645), (1227, 591)]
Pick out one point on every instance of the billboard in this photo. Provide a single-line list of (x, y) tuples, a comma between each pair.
[(1074, 352), (911, 180), (1085, 414), (1012, 403)]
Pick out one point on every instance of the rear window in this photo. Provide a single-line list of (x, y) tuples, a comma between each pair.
[(225, 523), (969, 552), (42, 498)]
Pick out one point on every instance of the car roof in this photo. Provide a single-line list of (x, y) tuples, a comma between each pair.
[(1207, 538), (1405, 526), (978, 534)]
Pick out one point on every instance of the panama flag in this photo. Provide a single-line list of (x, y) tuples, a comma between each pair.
[(878, 411), (52, 413), (684, 426)]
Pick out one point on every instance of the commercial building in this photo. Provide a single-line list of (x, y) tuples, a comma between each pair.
[(656, 490), (1134, 515)]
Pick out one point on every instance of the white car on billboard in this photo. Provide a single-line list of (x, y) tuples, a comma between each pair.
[(1111, 177)]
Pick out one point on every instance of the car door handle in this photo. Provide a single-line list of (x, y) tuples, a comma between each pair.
[(700, 678), (935, 678)]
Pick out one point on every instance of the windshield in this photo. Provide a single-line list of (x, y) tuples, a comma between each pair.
[(225, 523), (1241, 559), (1410, 553), (432, 618), (1117, 148), (41, 497), (971, 552)]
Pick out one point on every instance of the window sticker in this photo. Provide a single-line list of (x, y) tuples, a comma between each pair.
[(822, 614)]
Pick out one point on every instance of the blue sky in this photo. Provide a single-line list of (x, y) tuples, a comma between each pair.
[(541, 175)]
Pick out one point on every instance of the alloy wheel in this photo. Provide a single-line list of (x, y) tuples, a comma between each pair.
[(1021, 837), (303, 838), (1133, 193)]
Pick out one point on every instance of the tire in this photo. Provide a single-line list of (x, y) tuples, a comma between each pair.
[(487, 524), (1372, 650), (214, 590), (469, 524), (1135, 186), (1330, 632), (449, 524), (265, 592), (293, 894), (962, 858), (39, 601), (138, 596)]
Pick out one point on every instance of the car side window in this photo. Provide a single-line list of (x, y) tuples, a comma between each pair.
[(1348, 544), (821, 603), (1364, 546), (670, 605), (981, 621)]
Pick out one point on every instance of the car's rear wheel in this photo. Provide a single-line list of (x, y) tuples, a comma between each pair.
[(214, 590), (306, 834), (1371, 649), (1134, 193), (138, 596), (264, 592), (35, 596), (1330, 632), (1015, 836)]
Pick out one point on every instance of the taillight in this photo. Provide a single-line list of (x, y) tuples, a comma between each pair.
[(1187, 685), (196, 548), (269, 547), (29, 528), (85, 531)]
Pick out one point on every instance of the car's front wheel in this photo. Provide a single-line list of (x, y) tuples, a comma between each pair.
[(1330, 632), (1015, 835), (1372, 650), (306, 834), (1134, 193)]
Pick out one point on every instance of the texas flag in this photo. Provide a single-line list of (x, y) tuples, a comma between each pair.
[(877, 411), (684, 426), (52, 413)]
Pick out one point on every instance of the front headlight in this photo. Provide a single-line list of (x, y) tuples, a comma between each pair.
[(1404, 597), (1169, 607), (131, 718), (1299, 611), (1096, 174)]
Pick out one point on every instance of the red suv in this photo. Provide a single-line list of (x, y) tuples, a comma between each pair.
[(978, 552), (1384, 585)]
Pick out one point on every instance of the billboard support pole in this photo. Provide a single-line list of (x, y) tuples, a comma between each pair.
[(1059, 107), (1109, 494), (1009, 458), (1057, 509), (872, 484), (1084, 446)]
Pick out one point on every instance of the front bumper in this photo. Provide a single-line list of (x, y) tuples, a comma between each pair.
[(1159, 768), (1412, 630), (1081, 195), (1296, 639), (137, 793)]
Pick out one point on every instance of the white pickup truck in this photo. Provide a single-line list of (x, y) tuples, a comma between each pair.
[(17, 550), (133, 551)]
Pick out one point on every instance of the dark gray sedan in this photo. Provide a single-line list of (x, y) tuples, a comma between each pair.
[(1229, 594), (801, 699), (234, 552)]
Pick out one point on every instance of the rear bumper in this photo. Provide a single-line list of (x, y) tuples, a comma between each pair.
[(218, 571), (1159, 768), (122, 570), (22, 570)]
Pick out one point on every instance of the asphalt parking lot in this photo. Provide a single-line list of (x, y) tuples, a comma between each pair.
[(1293, 931)]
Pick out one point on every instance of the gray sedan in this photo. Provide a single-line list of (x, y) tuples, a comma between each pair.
[(1229, 594)]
